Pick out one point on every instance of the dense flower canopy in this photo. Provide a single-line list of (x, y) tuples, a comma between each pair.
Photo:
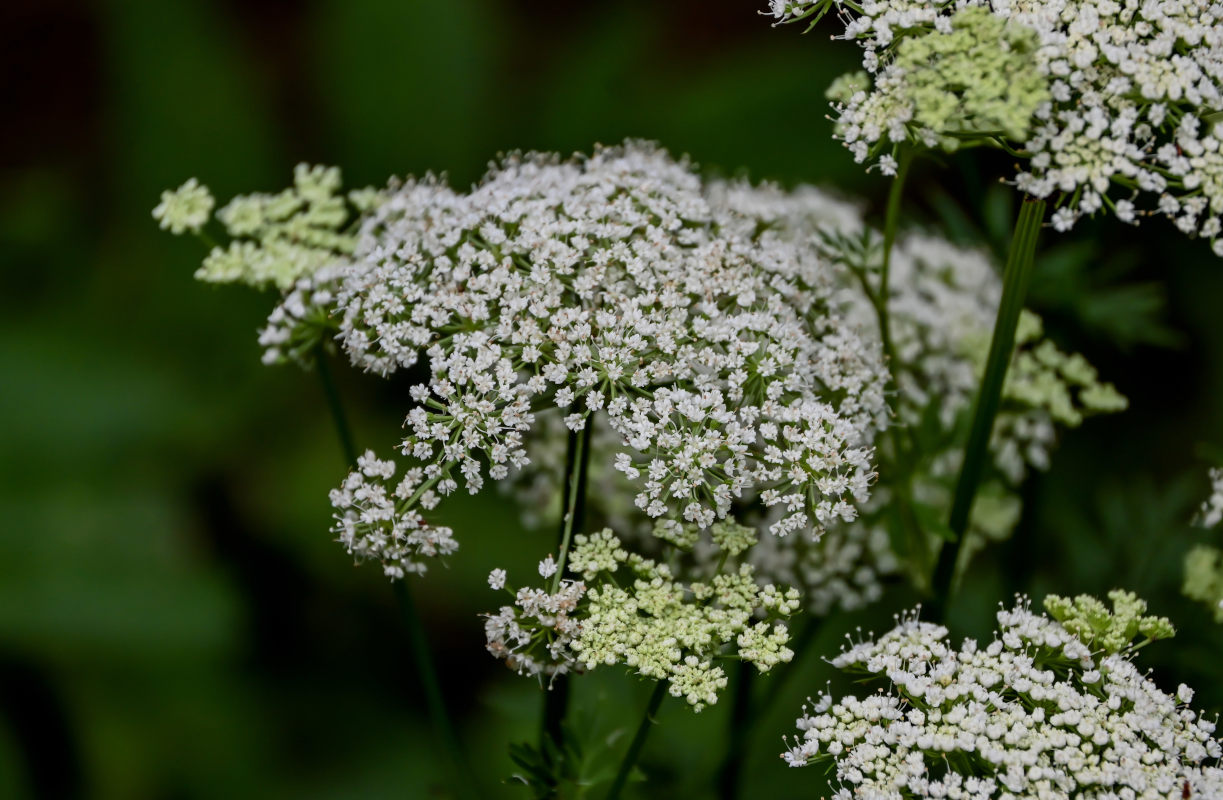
[(609, 285)]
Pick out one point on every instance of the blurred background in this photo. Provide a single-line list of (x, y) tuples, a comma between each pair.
[(174, 621)]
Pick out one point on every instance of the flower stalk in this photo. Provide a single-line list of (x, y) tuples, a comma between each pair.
[(577, 466), (338, 417), (913, 532), (730, 775), (635, 747), (435, 702), (1017, 276), (417, 639)]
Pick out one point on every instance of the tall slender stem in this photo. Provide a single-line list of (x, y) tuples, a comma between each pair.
[(1015, 282), (730, 776), (891, 225), (634, 748), (337, 407), (577, 463), (417, 640), (434, 701), (919, 552)]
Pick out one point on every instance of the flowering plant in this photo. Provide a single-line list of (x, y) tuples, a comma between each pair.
[(744, 408)]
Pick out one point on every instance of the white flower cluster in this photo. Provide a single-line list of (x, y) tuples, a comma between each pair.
[(610, 285), (1204, 563), (381, 520), (1105, 100), (658, 626), (534, 635), (1035, 713), (942, 301)]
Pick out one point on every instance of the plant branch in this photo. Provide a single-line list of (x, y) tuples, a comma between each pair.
[(1015, 282), (436, 704), (577, 463), (919, 551)]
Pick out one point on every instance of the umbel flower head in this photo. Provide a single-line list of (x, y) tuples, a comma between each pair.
[(609, 285), (1204, 563), (1047, 709), (605, 286), (631, 610), (1109, 105)]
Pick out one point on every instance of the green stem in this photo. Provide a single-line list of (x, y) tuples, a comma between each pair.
[(1015, 282), (434, 701), (730, 776), (333, 402), (417, 640), (918, 548), (634, 748), (891, 225), (577, 462)]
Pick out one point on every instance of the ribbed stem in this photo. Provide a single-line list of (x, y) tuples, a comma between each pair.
[(1015, 282), (577, 463), (417, 640), (730, 776), (634, 748)]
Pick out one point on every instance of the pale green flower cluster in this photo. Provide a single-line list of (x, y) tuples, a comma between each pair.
[(1204, 578), (279, 238), (944, 89), (1105, 631), (632, 610), (1204, 563), (186, 208), (275, 239), (667, 630)]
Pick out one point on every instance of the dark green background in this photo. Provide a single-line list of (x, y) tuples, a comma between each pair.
[(174, 621)]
